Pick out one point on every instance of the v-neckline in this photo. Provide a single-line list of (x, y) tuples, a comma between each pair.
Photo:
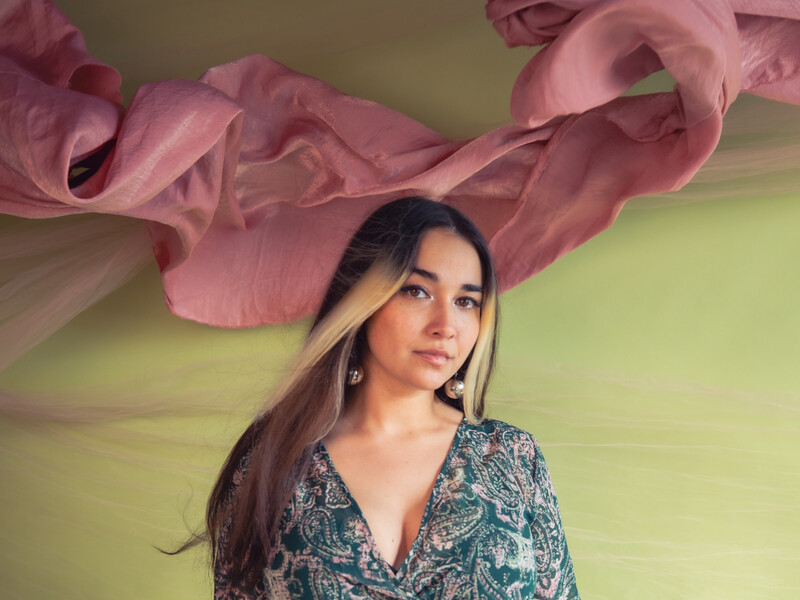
[(400, 572)]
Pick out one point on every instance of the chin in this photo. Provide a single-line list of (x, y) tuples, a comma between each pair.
[(432, 386)]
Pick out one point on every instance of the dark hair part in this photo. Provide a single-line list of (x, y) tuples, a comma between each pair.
[(263, 469)]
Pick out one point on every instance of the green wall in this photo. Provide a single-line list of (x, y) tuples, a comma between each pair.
[(657, 365)]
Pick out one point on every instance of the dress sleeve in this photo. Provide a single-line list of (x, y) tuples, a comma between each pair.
[(223, 586), (555, 576), (222, 580), (224, 589)]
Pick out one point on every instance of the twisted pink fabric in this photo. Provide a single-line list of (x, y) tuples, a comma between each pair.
[(252, 179)]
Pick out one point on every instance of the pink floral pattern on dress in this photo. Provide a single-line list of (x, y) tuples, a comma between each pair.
[(491, 530)]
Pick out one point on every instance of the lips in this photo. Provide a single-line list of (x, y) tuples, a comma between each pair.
[(435, 357)]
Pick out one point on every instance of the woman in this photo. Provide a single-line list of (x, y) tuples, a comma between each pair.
[(373, 473)]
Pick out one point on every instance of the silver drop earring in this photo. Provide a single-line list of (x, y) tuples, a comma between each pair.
[(454, 389), (354, 376)]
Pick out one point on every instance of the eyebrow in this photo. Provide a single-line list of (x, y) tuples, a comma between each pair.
[(467, 287)]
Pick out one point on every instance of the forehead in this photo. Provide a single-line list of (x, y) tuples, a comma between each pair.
[(448, 254)]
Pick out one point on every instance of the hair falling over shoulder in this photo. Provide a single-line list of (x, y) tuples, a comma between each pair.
[(268, 461)]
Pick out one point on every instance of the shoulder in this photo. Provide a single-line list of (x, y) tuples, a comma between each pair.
[(491, 437), (493, 425), (503, 454), (499, 432)]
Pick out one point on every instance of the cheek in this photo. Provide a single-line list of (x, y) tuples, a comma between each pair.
[(470, 333), (383, 330), (372, 340)]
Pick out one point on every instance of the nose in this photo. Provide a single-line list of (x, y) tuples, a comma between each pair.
[(442, 323)]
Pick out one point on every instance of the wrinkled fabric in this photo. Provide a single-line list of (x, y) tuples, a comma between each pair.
[(251, 179)]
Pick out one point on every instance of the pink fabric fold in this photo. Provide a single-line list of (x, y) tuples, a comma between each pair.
[(252, 179)]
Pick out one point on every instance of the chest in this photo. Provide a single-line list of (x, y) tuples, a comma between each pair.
[(475, 532), (391, 485)]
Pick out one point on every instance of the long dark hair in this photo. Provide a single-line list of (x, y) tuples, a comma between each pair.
[(262, 471)]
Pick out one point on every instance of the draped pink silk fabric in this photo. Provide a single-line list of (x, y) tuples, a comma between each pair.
[(252, 179)]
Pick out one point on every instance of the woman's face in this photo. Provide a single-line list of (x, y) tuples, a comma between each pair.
[(424, 333)]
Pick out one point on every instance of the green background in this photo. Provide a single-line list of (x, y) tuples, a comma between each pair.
[(657, 366)]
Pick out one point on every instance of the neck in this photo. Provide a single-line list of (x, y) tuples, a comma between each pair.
[(383, 411)]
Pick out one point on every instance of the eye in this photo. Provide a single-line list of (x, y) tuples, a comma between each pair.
[(468, 302), (414, 291)]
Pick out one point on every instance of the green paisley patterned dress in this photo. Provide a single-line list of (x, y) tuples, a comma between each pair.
[(491, 531)]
